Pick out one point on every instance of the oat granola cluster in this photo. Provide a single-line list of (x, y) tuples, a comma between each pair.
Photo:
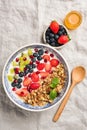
[(41, 96)]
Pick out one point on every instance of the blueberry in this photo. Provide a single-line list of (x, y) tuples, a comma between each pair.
[(48, 41), (31, 70), (40, 52), (35, 54), (19, 80), (52, 44), (21, 74), (33, 59), (51, 35), (56, 36), (28, 66), (48, 32), (19, 86), (61, 27), (33, 65), (13, 84), (52, 40), (39, 58), (26, 71), (60, 33), (47, 37)]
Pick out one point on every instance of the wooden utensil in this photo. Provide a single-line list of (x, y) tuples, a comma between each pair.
[(78, 75)]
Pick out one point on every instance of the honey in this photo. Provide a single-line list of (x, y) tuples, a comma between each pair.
[(73, 20)]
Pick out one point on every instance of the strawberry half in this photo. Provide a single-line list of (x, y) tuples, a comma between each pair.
[(54, 62), (22, 92), (46, 57), (44, 74), (34, 77), (26, 81), (34, 86), (63, 39), (40, 66), (48, 67), (54, 26)]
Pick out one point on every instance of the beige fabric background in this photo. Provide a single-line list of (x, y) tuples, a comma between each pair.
[(22, 22)]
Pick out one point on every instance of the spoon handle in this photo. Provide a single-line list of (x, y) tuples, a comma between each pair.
[(62, 105)]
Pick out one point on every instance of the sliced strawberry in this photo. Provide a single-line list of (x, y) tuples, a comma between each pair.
[(34, 77), (34, 86), (26, 81), (44, 74), (40, 66), (54, 62), (47, 67), (54, 26), (22, 92), (63, 39), (46, 57)]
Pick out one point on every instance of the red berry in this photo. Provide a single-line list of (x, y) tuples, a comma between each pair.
[(52, 55), (46, 57), (31, 63), (14, 89), (24, 58), (36, 49), (34, 77), (37, 72), (26, 81), (31, 56), (54, 26), (29, 75), (16, 70), (45, 60), (15, 81), (17, 59), (63, 39), (40, 66), (34, 86), (47, 67), (54, 62), (37, 62), (46, 51)]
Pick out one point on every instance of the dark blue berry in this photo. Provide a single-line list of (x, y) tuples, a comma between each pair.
[(33, 65), (19, 86), (31, 70), (13, 84), (48, 32), (39, 58), (61, 27), (26, 71), (21, 74), (40, 52), (56, 36), (48, 41), (60, 33), (51, 35), (35, 54), (52, 44), (52, 40), (19, 80), (33, 59)]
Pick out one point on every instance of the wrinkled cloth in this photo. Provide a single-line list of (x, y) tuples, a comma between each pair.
[(22, 22)]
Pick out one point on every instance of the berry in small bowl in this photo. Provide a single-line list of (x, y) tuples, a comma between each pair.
[(56, 35)]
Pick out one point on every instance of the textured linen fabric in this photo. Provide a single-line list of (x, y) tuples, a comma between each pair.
[(23, 22)]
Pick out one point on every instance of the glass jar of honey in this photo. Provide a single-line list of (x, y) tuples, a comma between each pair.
[(73, 20)]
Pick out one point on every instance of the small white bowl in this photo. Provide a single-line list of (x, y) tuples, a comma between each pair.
[(58, 47)]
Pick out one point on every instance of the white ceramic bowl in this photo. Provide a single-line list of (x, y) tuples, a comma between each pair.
[(58, 47), (15, 99)]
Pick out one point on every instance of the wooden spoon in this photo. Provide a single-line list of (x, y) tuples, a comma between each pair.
[(78, 75)]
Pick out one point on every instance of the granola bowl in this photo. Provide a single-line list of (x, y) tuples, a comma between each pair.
[(36, 77)]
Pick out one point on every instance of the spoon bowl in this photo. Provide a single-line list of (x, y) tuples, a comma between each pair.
[(78, 74)]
